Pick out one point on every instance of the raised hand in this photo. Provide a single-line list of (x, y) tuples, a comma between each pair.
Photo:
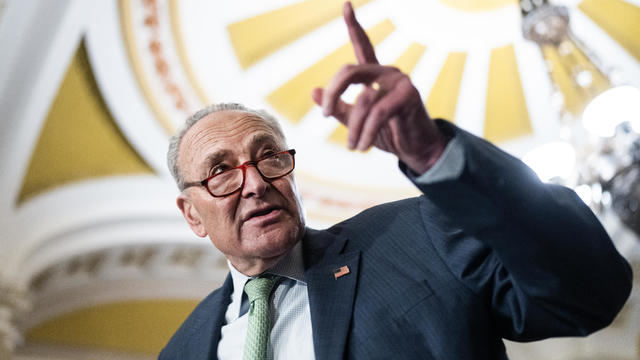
[(389, 113)]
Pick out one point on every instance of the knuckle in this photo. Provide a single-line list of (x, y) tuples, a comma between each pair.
[(393, 69), (404, 79), (347, 69), (405, 84)]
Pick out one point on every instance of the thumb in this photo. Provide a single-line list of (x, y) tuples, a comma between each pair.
[(342, 109), (316, 95)]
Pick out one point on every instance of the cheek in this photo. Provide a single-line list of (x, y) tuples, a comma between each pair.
[(290, 192), (220, 215)]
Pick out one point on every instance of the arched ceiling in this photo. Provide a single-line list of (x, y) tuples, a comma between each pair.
[(91, 90), (130, 71)]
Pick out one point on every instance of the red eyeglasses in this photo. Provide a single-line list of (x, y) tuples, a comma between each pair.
[(229, 181)]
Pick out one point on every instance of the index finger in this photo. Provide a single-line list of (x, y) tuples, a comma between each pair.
[(361, 43)]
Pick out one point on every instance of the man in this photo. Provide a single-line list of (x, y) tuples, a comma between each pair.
[(487, 253)]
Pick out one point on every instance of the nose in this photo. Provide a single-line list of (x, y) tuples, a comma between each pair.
[(254, 183)]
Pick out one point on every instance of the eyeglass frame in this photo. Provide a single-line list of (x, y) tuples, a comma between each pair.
[(244, 167)]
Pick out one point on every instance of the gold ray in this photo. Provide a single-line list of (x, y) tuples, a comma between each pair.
[(255, 38), (565, 61), (620, 19), (443, 97), (406, 62), (506, 115), (410, 57), (339, 135), (79, 139), (126, 326), (476, 5), (293, 99)]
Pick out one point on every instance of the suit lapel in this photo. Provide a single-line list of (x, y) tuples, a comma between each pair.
[(219, 319), (204, 342), (330, 299)]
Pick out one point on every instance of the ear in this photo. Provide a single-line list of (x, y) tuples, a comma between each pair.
[(191, 214)]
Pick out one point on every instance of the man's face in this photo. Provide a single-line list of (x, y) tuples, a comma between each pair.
[(257, 225)]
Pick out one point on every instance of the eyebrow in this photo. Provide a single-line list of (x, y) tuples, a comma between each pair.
[(215, 158), (262, 139)]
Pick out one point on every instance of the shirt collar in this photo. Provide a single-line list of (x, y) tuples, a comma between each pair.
[(239, 279), (291, 266)]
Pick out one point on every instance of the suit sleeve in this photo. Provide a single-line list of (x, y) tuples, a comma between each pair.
[(534, 252)]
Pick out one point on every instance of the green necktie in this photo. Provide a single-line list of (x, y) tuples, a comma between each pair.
[(258, 291)]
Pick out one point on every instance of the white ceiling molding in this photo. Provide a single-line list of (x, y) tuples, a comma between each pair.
[(91, 215), (116, 81), (122, 273)]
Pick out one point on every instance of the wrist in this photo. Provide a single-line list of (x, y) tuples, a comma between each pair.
[(420, 162)]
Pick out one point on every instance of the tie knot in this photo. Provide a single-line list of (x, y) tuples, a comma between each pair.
[(259, 288)]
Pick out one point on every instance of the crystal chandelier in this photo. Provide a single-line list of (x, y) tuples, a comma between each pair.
[(599, 155)]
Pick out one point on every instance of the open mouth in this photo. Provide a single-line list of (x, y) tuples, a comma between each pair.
[(263, 213)]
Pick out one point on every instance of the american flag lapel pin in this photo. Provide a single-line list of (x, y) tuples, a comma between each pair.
[(341, 271)]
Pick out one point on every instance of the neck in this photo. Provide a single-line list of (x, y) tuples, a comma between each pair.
[(255, 267)]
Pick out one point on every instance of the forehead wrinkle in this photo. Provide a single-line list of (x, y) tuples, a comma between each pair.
[(229, 125), (229, 128)]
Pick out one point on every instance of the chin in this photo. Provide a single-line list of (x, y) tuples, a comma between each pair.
[(275, 242)]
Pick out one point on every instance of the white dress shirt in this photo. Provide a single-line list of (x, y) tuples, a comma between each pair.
[(291, 334)]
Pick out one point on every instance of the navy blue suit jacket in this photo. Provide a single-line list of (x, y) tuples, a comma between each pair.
[(491, 254)]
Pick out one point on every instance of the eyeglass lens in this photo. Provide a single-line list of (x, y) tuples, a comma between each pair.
[(271, 167)]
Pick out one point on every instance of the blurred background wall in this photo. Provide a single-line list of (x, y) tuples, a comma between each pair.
[(95, 259)]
